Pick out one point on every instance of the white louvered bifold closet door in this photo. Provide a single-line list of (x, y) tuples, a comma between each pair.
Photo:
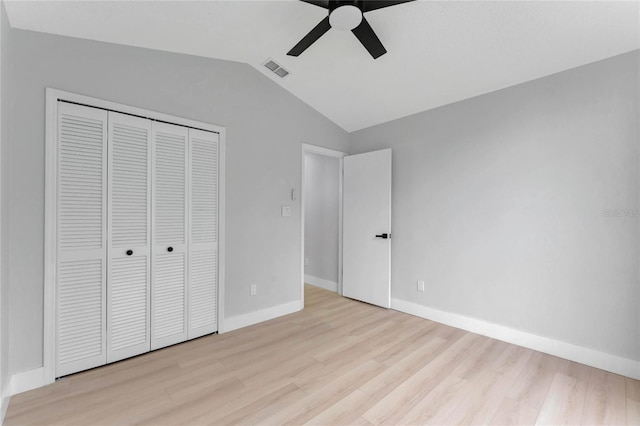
[(203, 235), (128, 310), (169, 225), (81, 238)]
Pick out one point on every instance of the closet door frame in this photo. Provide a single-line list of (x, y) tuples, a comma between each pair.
[(53, 96)]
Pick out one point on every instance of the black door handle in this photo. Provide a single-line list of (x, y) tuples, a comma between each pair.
[(383, 236), (169, 249), (129, 252)]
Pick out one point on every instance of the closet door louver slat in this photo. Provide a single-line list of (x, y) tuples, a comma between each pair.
[(128, 310), (81, 238), (169, 224), (203, 223), (204, 291)]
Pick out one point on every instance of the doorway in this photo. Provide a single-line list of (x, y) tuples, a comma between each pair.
[(321, 200)]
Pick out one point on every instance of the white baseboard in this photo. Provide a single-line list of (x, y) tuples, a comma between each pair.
[(27, 380), (6, 398), (604, 361), (322, 283), (245, 320)]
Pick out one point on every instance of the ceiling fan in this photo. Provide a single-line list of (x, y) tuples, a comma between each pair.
[(347, 15)]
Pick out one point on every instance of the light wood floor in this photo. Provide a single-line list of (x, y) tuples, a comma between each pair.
[(337, 362)]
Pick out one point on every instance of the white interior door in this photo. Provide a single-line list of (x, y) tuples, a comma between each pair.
[(81, 238), (169, 224), (128, 280), (367, 228)]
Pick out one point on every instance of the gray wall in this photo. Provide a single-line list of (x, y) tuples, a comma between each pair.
[(5, 68), (322, 181), (265, 127), (500, 202)]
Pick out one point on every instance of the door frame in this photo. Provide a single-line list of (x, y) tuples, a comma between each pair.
[(314, 149), (50, 214)]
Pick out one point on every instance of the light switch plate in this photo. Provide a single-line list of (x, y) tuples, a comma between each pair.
[(286, 211)]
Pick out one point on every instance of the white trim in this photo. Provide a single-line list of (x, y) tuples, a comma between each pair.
[(27, 380), (127, 109), (4, 381), (5, 406), (52, 97), (315, 149), (50, 221), (6, 398), (308, 148), (221, 228), (340, 207), (245, 320), (604, 361), (322, 283)]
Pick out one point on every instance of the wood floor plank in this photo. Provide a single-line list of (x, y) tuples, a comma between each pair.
[(269, 405), (315, 403), (633, 389), (532, 385), (412, 339), (393, 407), (120, 411), (337, 362), (199, 406), (361, 421), (252, 400), (633, 412), (565, 401), (344, 412), (488, 389), (514, 413), (436, 406), (605, 402), (394, 376)]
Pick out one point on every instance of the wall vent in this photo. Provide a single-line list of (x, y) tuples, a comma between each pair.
[(275, 67)]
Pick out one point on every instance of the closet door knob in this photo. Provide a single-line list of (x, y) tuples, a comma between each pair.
[(169, 249), (129, 252)]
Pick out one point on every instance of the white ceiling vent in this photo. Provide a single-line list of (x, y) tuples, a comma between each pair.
[(275, 67)]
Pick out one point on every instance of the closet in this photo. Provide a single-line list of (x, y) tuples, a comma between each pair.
[(137, 220)]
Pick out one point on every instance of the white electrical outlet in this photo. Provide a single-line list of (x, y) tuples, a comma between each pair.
[(286, 211), (254, 289), (420, 285)]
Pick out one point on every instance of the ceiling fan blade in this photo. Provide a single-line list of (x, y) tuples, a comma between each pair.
[(320, 3), (379, 4), (369, 39), (310, 38)]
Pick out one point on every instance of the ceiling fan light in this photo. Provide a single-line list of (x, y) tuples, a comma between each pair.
[(345, 17)]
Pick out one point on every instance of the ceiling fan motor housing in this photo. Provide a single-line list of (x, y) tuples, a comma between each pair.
[(334, 4), (345, 16)]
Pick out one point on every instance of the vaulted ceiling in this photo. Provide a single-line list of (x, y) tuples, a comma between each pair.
[(438, 52)]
